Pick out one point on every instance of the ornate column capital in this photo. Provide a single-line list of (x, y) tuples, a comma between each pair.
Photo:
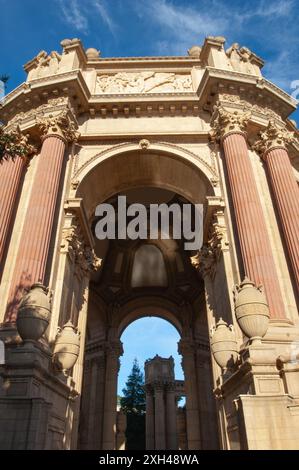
[(226, 122), (170, 387), (114, 348), (14, 143), (60, 125), (158, 385), (274, 136), (149, 389), (186, 347)]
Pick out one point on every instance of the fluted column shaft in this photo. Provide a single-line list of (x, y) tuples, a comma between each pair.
[(11, 172), (33, 251), (110, 400), (286, 194), (171, 418), (150, 420), (160, 438), (187, 350), (255, 245)]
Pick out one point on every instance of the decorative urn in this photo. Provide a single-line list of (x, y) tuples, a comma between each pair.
[(252, 310), (224, 345), (67, 346), (34, 313)]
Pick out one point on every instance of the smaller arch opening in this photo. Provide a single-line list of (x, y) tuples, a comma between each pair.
[(150, 361)]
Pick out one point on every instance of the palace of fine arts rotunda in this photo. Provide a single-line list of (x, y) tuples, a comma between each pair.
[(204, 129)]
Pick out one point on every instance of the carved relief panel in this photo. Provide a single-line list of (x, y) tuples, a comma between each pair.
[(143, 82)]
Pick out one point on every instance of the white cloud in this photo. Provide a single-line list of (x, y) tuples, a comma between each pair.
[(74, 15), (282, 70), (77, 14), (106, 17), (278, 8), (184, 25)]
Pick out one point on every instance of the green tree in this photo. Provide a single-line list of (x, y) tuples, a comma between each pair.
[(133, 404)]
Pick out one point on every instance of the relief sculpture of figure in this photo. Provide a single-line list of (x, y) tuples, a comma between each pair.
[(143, 82)]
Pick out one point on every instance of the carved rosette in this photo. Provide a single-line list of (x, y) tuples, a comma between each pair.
[(274, 136), (82, 255), (226, 122), (59, 125)]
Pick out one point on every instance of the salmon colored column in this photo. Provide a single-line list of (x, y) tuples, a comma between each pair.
[(272, 147), (11, 172), (255, 245), (33, 251), (10, 177)]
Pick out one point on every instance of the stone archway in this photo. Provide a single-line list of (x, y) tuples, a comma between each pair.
[(130, 170)]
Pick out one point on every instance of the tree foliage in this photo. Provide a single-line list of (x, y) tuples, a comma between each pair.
[(133, 400), (133, 404)]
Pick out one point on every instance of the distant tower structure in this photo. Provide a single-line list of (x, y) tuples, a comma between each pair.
[(162, 392)]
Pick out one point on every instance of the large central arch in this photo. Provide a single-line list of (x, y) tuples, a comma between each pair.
[(102, 177)]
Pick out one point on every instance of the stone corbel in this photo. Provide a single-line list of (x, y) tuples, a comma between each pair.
[(77, 240), (215, 238)]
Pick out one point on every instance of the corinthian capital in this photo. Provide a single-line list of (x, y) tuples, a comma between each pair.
[(13, 143), (228, 122), (272, 137), (59, 124)]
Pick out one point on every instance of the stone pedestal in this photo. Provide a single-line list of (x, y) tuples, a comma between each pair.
[(33, 405), (257, 412)]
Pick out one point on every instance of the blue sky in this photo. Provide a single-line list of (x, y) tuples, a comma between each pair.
[(150, 27)]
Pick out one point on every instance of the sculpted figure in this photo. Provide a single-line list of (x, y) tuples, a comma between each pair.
[(241, 58), (234, 56), (54, 61)]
